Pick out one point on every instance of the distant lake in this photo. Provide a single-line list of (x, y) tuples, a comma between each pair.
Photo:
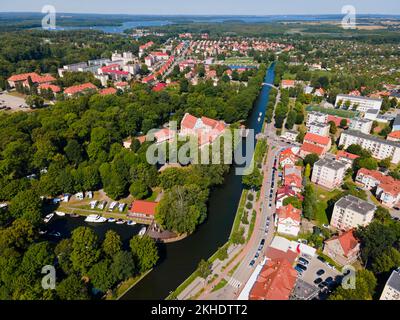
[(118, 29)]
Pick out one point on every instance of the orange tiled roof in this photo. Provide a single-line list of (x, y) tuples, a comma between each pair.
[(289, 212), (394, 134), (347, 155), (275, 281), (79, 88), (51, 87), (312, 148), (108, 91), (347, 241), (316, 139), (144, 207)]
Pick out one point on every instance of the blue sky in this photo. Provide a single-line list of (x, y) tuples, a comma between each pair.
[(236, 7)]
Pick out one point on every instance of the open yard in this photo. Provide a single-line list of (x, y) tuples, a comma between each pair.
[(323, 196)]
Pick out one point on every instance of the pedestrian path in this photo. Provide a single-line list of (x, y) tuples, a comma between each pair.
[(234, 282)]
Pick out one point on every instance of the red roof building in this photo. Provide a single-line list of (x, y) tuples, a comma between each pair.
[(288, 84), (337, 120), (275, 281), (36, 78), (289, 219), (108, 91), (308, 148), (343, 249), (287, 157), (394, 136), (51, 87), (159, 87), (143, 209), (79, 88)]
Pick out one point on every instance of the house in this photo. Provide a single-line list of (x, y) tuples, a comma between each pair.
[(360, 124), (275, 281), (321, 129), (379, 148), (164, 134), (121, 85), (108, 91), (337, 120), (288, 220), (143, 209), (391, 291), (351, 212), (290, 135), (286, 84), (292, 177), (319, 92), (23, 79), (343, 249), (287, 157), (308, 148), (81, 88), (361, 104), (328, 173), (346, 157), (159, 87), (206, 129), (314, 143), (285, 192), (389, 194), (50, 87), (394, 136)]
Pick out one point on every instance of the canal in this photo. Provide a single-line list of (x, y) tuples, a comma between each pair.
[(178, 260)]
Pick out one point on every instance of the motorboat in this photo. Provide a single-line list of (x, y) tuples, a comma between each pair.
[(60, 213), (73, 215), (48, 217), (259, 119), (55, 234), (260, 114), (95, 218), (42, 232), (120, 221), (111, 220), (131, 223), (142, 231)]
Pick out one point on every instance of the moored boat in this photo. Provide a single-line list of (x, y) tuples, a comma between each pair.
[(48, 217), (95, 218)]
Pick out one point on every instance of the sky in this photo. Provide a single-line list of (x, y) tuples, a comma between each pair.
[(203, 7)]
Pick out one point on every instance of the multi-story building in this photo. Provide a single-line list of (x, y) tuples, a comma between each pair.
[(379, 148), (288, 220), (360, 124), (328, 173), (361, 104), (315, 116), (391, 291), (321, 129), (351, 212), (346, 157)]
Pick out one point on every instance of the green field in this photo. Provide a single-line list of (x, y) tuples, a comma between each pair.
[(334, 112)]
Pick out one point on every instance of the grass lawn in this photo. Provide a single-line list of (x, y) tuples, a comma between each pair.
[(323, 196), (220, 285), (335, 112)]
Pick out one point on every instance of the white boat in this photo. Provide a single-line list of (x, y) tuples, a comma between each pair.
[(60, 214), (95, 218), (73, 215), (131, 223), (48, 217), (55, 234), (111, 220), (42, 232), (260, 114), (119, 221), (259, 119), (142, 231)]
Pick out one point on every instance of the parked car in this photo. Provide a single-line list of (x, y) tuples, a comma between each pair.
[(262, 242), (304, 268), (317, 281), (304, 261), (321, 259), (252, 262), (299, 270), (320, 272)]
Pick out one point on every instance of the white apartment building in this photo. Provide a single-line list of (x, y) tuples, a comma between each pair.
[(318, 128), (351, 212), (379, 148), (315, 116), (328, 173), (362, 104), (360, 124), (290, 135), (391, 291)]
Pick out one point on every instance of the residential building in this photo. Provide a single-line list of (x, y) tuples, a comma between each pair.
[(328, 173), (308, 148), (287, 157), (379, 148), (290, 135), (81, 88), (394, 136), (143, 209), (361, 104), (23, 79), (360, 124), (288, 220), (396, 123), (286, 84), (391, 291), (346, 157), (344, 249), (275, 281), (107, 91), (321, 129), (315, 116), (285, 192), (351, 212), (314, 143), (292, 177)]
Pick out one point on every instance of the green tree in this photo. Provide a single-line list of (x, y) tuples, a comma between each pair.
[(112, 243), (144, 251), (253, 180), (123, 265), (365, 288), (310, 159), (27, 205), (101, 277), (294, 201), (204, 268), (72, 288), (85, 251)]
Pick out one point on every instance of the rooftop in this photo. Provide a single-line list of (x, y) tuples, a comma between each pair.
[(355, 204), (346, 96), (361, 135), (330, 164), (394, 280)]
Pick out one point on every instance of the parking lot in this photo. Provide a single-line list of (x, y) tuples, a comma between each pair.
[(325, 272), (11, 102)]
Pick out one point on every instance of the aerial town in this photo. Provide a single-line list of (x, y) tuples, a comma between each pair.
[(316, 218)]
